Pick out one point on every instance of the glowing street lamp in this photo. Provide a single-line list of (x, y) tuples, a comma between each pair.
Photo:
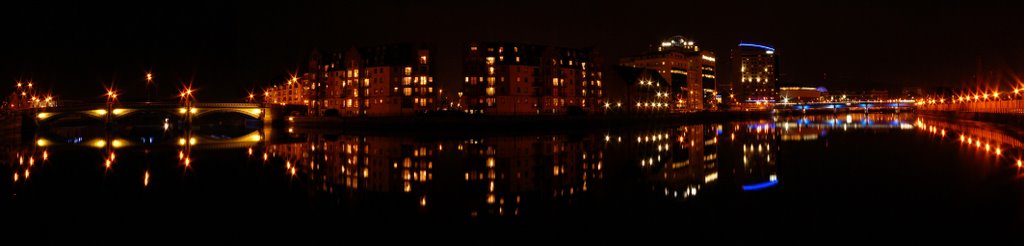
[(111, 95), (149, 82)]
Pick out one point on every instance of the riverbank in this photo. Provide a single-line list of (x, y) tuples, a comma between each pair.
[(518, 123), (1011, 119)]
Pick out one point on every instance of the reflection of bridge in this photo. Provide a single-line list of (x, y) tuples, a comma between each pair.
[(849, 105), (977, 130), (191, 140)]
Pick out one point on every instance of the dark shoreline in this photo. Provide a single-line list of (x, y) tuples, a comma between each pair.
[(1000, 118), (540, 123)]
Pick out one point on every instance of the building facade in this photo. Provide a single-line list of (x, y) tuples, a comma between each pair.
[(801, 94), (755, 67), (689, 72), (387, 80), (293, 91), (523, 79), (646, 90)]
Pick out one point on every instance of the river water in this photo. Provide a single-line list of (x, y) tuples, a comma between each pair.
[(785, 178)]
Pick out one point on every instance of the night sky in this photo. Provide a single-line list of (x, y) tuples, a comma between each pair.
[(226, 48)]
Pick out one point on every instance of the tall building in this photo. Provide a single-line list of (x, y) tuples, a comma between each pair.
[(689, 71), (306, 89), (385, 80), (293, 91), (520, 79), (756, 68), (646, 91)]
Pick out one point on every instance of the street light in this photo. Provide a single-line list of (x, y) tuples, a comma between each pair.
[(149, 80)]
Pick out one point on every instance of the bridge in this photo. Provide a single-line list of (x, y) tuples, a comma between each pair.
[(848, 106), (167, 123), (120, 110), (110, 112)]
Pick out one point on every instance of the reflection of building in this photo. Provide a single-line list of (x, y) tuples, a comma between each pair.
[(506, 170), (499, 173), (683, 160), (689, 72), (514, 78), (756, 168), (755, 67)]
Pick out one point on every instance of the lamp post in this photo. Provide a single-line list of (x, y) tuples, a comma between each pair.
[(149, 80), (189, 108), (111, 100)]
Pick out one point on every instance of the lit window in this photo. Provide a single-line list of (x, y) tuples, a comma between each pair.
[(408, 70), (490, 91), (407, 91)]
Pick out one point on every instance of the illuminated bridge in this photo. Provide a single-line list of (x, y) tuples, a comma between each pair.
[(119, 110), (113, 112), (206, 125), (886, 105)]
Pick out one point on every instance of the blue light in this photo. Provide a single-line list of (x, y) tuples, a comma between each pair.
[(757, 46), (759, 186)]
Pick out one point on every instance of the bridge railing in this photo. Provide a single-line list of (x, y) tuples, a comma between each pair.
[(1015, 106), (131, 105)]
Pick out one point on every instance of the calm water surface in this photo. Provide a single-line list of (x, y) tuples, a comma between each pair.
[(857, 175)]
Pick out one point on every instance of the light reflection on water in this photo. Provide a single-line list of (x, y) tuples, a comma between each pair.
[(470, 177)]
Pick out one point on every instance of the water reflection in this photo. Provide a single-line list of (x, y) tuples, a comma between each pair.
[(473, 176), (496, 172)]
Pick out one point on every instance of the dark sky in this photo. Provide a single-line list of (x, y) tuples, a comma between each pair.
[(226, 48)]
